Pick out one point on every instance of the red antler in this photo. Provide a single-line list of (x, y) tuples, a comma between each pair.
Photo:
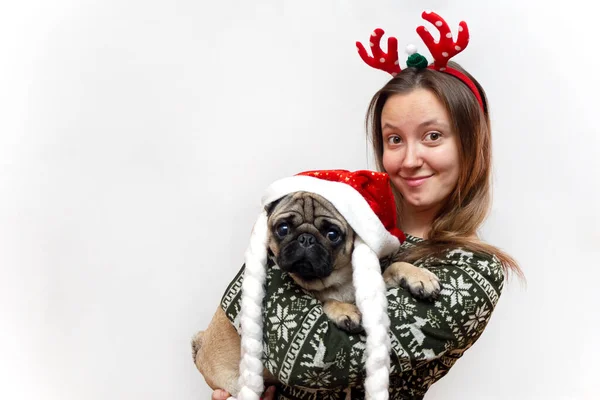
[(446, 48), (380, 60)]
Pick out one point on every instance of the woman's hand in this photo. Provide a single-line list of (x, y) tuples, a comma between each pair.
[(269, 394), (221, 394)]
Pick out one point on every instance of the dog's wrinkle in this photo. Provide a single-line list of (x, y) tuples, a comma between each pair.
[(309, 210), (291, 216), (307, 227), (321, 209), (323, 222)]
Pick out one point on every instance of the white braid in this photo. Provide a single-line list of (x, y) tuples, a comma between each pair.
[(253, 293), (372, 302)]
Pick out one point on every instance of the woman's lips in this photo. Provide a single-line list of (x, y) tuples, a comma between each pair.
[(416, 181)]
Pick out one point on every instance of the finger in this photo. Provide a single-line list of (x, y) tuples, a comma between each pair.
[(220, 394), (269, 393)]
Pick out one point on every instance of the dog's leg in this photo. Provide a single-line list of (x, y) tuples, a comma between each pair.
[(345, 315), (420, 282), (216, 353)]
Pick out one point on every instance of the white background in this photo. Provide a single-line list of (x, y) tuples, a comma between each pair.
[(137, 137)]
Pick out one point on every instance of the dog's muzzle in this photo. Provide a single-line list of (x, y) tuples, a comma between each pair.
[(306, 258)]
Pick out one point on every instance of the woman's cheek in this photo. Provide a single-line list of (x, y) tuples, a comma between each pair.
[(389, 163)]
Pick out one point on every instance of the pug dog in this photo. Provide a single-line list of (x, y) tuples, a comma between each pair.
[(311, 241)]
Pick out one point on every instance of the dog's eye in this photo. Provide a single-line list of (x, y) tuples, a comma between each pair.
[(334, 235), (282, 229)]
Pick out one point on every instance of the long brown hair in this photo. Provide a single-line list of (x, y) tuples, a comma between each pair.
[(467, 207)]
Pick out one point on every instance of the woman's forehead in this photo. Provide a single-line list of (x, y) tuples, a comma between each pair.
[(419, 107)]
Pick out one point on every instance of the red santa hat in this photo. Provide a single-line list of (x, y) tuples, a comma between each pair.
[(365, 200)]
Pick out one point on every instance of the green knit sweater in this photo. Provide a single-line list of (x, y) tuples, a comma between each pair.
[(315, 360)]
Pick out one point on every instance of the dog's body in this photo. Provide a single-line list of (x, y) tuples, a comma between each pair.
[(313, 243)]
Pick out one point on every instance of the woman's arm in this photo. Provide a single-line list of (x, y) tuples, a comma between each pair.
[(303, 348)]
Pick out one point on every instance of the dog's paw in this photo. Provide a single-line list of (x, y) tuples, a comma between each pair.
[(346, 316), (420, 282), (351, 323)]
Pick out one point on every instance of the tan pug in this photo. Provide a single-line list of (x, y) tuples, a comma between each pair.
[(313, 243)]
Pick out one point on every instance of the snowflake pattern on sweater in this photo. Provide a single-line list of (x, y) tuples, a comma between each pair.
[(313, 359)]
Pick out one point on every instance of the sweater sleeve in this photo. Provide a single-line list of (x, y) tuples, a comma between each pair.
[(424, 331), (303, 348)]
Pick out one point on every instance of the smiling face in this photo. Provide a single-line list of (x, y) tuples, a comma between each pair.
[(420, 150)]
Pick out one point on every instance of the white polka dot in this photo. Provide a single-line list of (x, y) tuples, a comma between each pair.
[(439, 23), (374, 33), (449, 35), (443, 69), (394, 73), (436, 41), (460, 29), (371, 44), (396, 62), (457, 48), (425, 29), (444, 54), (382, 60)]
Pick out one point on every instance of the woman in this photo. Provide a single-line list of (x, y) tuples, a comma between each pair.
[(431, 134)]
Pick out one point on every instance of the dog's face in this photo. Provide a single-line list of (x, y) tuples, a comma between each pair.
[(310, 240)]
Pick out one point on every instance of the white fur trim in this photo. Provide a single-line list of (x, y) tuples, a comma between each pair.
[(253, 292), (349, 202), (372, 302)]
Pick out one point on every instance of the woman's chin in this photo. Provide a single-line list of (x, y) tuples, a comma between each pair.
[(420, 204)]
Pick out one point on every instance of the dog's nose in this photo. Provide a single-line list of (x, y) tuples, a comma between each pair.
[(306, 240)]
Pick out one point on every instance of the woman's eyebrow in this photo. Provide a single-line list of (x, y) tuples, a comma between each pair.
[(433, 121), (388, 125), (423, 124)]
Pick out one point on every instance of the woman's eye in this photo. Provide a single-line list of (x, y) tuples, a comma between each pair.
[(394, 140), (333, 235), (282, 229), (433, 136)]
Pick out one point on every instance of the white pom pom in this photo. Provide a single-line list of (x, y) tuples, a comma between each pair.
[(411, 49)]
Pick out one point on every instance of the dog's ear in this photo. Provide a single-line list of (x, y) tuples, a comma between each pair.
[(271, 206)]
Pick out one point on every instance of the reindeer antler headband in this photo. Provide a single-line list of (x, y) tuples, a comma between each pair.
[(442, 51)]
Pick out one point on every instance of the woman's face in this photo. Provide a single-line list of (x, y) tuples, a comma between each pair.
[(420, 150)]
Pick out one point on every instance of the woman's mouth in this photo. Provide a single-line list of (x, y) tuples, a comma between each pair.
[(416, 181)]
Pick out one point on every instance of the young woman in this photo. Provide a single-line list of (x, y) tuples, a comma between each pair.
[(432, 136)]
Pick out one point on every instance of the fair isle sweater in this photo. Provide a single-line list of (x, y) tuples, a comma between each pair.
[(314, 359)]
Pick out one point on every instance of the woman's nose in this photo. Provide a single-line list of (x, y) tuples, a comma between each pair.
[(412, 158)]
